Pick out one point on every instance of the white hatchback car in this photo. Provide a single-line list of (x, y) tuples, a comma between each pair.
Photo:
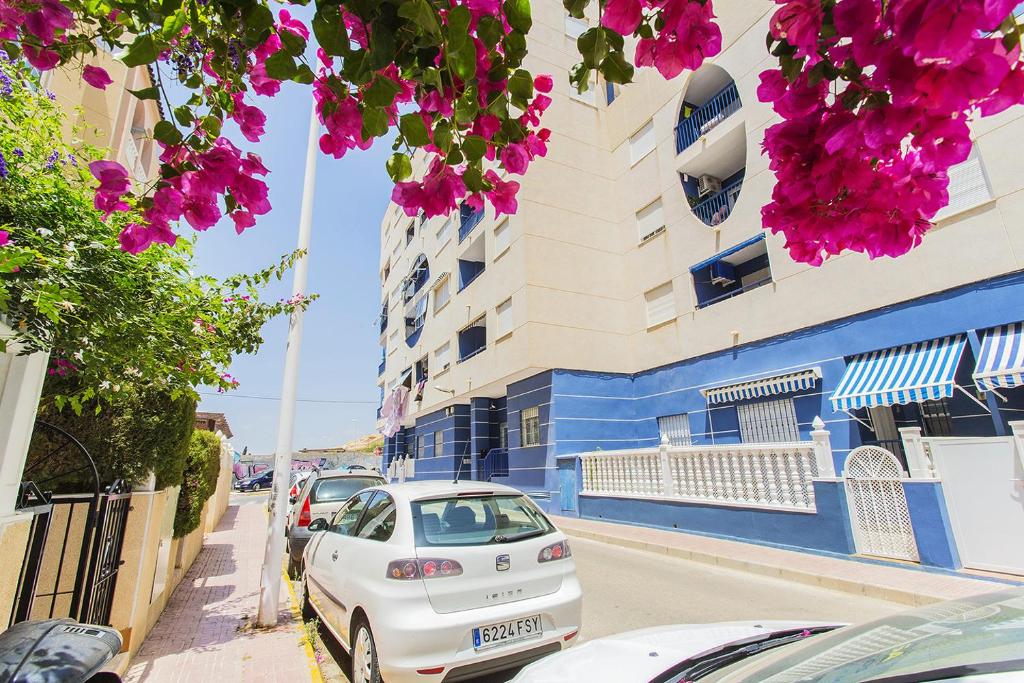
[(435, 581)]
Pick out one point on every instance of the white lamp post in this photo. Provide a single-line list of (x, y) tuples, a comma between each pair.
[(270, 580)]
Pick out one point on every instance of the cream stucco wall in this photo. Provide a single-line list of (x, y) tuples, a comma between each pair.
[(575, 270)]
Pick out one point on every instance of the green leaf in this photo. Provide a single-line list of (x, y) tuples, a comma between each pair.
[(462, 57), (381, 92), (165, 132), (422, 14), (458, 22), (489, 30), (143, 51), (329, 29), (375, 122), (399, 167), (616, 69), (454, 157), (593, 46), (173, 24), (520, 86), (294, 44), (152, 93), (443, 135), (183, 115), (575, 7), (281, 65), (473, 178), (474, 147), (212, 125), (414, 130), (304, 75), (257, 23), (517, 12)]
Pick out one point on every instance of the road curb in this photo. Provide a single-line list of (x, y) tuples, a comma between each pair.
[(293, 605), (789, 573)]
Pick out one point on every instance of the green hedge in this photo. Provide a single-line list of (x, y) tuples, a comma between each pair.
[(202, 469)]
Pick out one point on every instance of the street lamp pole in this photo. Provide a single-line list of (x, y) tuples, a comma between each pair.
[(270, 580)]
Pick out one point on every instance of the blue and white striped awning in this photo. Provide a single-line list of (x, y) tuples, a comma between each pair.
[(1001, 361), (766, 386), (905, 374)]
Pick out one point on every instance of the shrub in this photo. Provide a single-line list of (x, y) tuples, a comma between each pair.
[(202, 469)]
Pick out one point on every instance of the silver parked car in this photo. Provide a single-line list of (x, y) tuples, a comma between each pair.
[(321, 496)]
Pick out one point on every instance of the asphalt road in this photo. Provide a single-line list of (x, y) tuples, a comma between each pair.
[(627, 589)]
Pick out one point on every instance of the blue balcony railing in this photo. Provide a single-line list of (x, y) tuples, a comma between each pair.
[(718, 206), (494, 464), (733, 292), (707, 116), (380, 368), (384, 321), (468, 219)]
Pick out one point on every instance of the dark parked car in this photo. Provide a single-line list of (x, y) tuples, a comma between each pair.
[(257, 483), (58, 651)]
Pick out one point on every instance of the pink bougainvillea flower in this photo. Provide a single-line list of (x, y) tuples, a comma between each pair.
[(622, 16), (292, 25), (502, 194), (543, 83), (251, 193), (437, 194), (4, 238), (40, 57), (50, 17), (243, 220), (798, 22), (251, 120), (96, 77), (135, 238), (515, 158), (114, 183)]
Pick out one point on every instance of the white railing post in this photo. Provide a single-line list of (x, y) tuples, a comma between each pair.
[(917, 458), (822, 449), (1017, 431), (666, 471)]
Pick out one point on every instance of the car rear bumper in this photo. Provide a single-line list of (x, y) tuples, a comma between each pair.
[(415, 639), (297, 542)]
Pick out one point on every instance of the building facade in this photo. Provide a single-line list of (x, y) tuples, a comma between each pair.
[(635, 300)]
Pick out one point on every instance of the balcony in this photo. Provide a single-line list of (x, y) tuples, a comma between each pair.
[(469, 218), (384, 317), (473, 339), (735, 271), (717, 207), (707, 116), (380, 368), (472, 262)]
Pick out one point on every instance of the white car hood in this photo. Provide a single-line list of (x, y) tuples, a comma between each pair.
[(638, 656)]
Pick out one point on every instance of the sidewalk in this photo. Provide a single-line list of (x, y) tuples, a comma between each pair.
[(910, 586), (205, 634)]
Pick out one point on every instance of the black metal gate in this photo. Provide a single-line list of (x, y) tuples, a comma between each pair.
[(74, 550)]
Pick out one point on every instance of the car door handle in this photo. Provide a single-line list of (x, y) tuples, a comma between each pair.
[(334, 556)]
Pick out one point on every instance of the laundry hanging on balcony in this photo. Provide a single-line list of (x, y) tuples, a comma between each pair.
[(765, 386), (1001, 360), (393, 410), (911, 373)]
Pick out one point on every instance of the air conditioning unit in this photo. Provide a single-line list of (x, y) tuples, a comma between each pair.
[(722, 273), (707, 184)]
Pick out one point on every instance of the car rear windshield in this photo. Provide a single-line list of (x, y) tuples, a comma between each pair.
[(339, 488), (477, 520)]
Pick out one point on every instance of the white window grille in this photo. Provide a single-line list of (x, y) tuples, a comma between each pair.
[(574, 28), (502, 239), (444, 234), (676, 428), (768, 421), (503, 324), (650, 220), (968, 186), (641, 143), (661, 305), (442, 357), (442, 294), (529, 419)]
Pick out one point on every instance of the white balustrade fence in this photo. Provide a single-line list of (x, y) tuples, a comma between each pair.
[(777, 475)]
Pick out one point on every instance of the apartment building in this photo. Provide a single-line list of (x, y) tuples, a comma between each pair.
[(635, 300)]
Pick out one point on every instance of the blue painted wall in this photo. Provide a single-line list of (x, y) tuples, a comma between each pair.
[(528, 466), (454, 424), (930, 521)]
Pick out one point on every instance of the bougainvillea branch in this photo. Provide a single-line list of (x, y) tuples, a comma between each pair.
[(874, 96)]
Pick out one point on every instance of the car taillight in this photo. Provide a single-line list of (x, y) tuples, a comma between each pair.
[(294, 492), (425, 568), (555, 551), (305, 516)]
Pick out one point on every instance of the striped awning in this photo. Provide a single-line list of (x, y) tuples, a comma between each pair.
[(1001, 361), (766, 386), (905, 374)]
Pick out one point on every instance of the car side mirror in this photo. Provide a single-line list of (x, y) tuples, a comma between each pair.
[(318, 524)]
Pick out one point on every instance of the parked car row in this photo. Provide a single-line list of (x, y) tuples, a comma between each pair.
[(436, 581)]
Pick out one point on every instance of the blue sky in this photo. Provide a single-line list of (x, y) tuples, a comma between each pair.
[(340, 349)]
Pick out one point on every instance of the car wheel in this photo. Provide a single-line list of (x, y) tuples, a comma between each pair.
[(255, 487), (308, 613), (364, 656)]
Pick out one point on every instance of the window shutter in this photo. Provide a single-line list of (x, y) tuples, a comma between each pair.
[(661, 305), (504, 318), (676, 428), (442, 356), (967, 186), (650, 220), (445, 232), (768, 421), (502, 238), (641, 143), (442, 294)]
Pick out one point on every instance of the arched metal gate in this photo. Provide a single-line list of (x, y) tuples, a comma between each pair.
[(878, 505)]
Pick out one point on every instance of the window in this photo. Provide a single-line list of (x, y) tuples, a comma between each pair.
[(502, 239), (379, 521), (473, 339), (442, 357), (348, 516), (641, 143), (737, 270), (438, 443), (503, 435), (422, 369), (661, 305), (768, 421), (410, 232), (396, 294), (480, 520), (968, 186), (936, 418), (421, 445), (574, 28), (529, 420), (442, 294), (338, 489), (650, 220), (503, 322), (676, 428), (393, 342), (444, 234), (414, 323), (587, 96)]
